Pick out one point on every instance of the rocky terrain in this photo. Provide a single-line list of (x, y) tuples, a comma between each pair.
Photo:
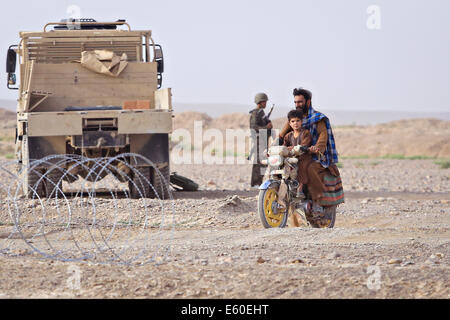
[(391, 238), (7, 132), (387, 243)]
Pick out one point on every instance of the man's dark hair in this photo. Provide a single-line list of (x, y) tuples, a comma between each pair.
[(295, 114), (303, 92)]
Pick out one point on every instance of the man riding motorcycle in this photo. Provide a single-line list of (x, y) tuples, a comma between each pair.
[(324, 183)]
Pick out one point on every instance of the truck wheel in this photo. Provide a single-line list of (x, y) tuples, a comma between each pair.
[(183, 183), (53, 183), (30, 177), (31, 187), (140, 187), (162, 185)]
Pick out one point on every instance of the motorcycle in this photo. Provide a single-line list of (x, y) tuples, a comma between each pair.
[(278, 193)]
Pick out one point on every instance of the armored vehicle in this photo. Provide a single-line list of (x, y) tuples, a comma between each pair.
[(91, 89)]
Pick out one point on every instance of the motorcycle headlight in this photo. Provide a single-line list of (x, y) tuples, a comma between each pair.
[(275, 161)]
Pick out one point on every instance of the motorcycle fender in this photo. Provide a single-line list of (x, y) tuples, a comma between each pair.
[(265, 184)]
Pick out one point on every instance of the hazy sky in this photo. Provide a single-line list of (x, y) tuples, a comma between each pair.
[(226, 51)]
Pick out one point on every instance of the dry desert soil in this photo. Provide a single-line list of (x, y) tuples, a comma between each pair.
[(391, 238), (388, 242)]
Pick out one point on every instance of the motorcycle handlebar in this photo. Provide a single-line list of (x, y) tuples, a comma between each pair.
[(299, 150)]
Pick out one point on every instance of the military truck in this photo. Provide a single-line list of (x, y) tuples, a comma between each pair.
[(91, 89)]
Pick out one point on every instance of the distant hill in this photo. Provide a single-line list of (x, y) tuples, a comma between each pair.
[(409, 137), (338, 117), (7, 115), (8, 104)]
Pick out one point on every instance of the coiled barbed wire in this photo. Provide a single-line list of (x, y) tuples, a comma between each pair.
[(116, 214)]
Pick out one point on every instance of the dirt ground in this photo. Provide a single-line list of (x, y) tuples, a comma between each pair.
[(391, 240)]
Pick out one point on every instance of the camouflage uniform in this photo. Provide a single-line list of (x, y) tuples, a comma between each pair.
[(258, 126)]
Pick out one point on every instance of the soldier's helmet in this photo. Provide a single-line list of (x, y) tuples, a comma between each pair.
[(260, 97)]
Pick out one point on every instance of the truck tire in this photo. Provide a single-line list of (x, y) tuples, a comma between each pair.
[(53, 183), (183, 183), (31, 188), (140, 186), (30, 175), (162, 186)]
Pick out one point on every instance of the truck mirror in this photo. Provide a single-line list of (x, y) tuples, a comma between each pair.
[(11, 61), (160, 66), (159, 80), (159, 59), (158, 53)]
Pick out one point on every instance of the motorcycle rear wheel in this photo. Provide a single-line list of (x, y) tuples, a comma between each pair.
[(266, 202), (330, 212)]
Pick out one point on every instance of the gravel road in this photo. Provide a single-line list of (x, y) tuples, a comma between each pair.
[(391, 240)]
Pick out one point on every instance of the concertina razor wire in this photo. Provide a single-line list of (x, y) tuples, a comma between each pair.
[(117, 213)]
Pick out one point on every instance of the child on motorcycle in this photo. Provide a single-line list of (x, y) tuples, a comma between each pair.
[(299, 136)]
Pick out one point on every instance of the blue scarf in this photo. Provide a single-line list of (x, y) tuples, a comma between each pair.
[(310, 123)]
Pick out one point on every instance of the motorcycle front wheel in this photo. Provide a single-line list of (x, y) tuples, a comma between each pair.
[(271, 216)]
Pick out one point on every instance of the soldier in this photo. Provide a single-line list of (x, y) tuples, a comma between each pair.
[(259, 125)]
